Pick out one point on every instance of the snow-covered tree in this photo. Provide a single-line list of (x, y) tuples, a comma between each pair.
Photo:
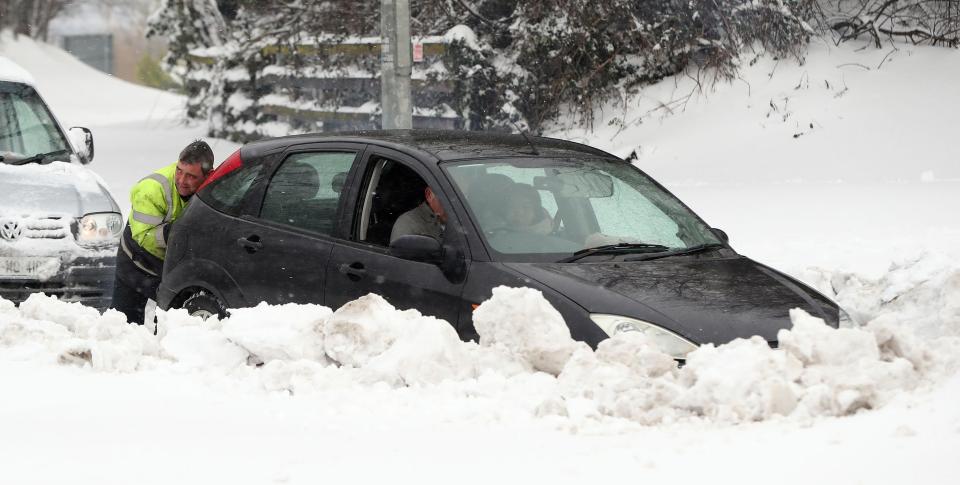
[(505, 63), (30, 17), (934, 22)]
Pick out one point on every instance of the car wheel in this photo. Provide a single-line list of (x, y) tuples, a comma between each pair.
[(204, 305)]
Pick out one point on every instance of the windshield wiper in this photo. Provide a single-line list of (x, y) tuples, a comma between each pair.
[(691, 250), (615, 248), (40, 157)]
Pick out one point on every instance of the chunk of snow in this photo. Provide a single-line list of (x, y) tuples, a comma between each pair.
[(521, 321)]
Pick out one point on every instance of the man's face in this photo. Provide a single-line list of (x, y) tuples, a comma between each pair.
[(188, 178), (435, 204)]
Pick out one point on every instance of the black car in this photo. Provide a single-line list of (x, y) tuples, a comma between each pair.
[(314, 219)]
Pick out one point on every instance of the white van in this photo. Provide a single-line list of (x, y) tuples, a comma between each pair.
[(59, 226)]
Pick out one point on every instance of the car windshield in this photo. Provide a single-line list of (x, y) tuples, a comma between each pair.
[(26, 127), (553, 209)]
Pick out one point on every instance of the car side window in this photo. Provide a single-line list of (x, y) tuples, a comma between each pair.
[(227, 194), (393, 189), (305, 190)]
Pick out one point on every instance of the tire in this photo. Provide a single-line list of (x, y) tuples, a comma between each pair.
[(204, 305)]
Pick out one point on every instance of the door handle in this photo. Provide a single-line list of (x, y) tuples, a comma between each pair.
[(251, 243), (354, 271)]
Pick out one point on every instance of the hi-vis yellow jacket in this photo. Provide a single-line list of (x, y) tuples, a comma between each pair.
[(156, 203)]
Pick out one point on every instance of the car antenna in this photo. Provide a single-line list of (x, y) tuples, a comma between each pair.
[(527, 138)]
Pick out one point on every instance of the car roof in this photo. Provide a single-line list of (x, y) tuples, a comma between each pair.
[(441, 144), (12, 72)]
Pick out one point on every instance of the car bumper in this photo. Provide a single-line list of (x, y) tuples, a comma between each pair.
[(86, 280)]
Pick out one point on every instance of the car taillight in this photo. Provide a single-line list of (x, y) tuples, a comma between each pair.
[(232, 163)]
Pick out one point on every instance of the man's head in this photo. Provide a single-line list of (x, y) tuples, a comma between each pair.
[(435, 204), (195, 163)]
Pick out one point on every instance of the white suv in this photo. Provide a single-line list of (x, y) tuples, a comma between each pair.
[(59, 226)]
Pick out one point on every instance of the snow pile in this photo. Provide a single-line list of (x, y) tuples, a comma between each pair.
[(525, 360), (520, 322), (819, 371), (291, 333), (922, 292), (43, 329), (398, 347)]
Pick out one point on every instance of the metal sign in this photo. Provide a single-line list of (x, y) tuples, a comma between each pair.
[(418, 52)]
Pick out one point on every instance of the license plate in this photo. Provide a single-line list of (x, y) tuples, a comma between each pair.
[(29, 267)]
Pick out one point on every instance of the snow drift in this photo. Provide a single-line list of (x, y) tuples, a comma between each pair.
[(524, 349)]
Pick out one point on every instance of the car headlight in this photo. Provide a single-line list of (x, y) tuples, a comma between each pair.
[(668, 342), (99, 229)]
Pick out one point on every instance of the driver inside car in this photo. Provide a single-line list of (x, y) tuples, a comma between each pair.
[(426, 219)]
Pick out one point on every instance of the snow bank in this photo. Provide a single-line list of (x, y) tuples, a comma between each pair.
[(80, 95), (836, 116), (921, 292), (11, 71), (525, 363)]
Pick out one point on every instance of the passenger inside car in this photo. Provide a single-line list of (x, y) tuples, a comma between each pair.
[(524, 212)]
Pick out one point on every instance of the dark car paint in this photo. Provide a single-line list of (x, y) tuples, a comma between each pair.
[(704, 299), (707, 298)]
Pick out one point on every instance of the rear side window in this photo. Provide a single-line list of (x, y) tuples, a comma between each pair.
[(227, 194), (305, 191)]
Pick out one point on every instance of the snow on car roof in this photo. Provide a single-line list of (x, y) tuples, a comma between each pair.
[(12, 72)]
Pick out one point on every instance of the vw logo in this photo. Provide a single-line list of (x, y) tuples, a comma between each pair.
[(10, 230)]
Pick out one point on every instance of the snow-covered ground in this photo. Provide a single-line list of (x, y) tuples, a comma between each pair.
[(862, 205)]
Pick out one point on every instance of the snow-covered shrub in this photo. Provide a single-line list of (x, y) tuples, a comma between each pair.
[(507, 64)]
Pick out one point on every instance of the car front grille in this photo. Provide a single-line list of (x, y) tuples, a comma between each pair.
[(16, 228), (50, 227)]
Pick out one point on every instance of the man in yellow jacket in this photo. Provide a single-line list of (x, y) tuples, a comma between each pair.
[(157, 201)]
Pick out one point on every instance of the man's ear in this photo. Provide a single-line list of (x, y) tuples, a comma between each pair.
[(427, 193)]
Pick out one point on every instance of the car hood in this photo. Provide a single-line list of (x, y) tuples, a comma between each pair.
[(705, 299), (54, 188)]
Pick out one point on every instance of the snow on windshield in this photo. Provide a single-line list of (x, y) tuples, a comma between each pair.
[(525, 358)]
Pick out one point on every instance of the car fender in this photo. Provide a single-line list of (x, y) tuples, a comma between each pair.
[(201, 273)]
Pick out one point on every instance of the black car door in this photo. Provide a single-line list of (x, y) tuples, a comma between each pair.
[(391, 185), (281, 252)]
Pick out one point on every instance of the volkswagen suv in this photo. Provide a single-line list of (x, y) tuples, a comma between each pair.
[(59, 226)]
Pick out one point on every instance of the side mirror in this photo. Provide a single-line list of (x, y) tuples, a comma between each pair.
[(417, 248), (82, 140), (721, 234)]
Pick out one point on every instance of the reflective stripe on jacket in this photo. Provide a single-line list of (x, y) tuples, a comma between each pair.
[(155, 204)]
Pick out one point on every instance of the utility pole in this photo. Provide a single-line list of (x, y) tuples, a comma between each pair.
[(396, 64)]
